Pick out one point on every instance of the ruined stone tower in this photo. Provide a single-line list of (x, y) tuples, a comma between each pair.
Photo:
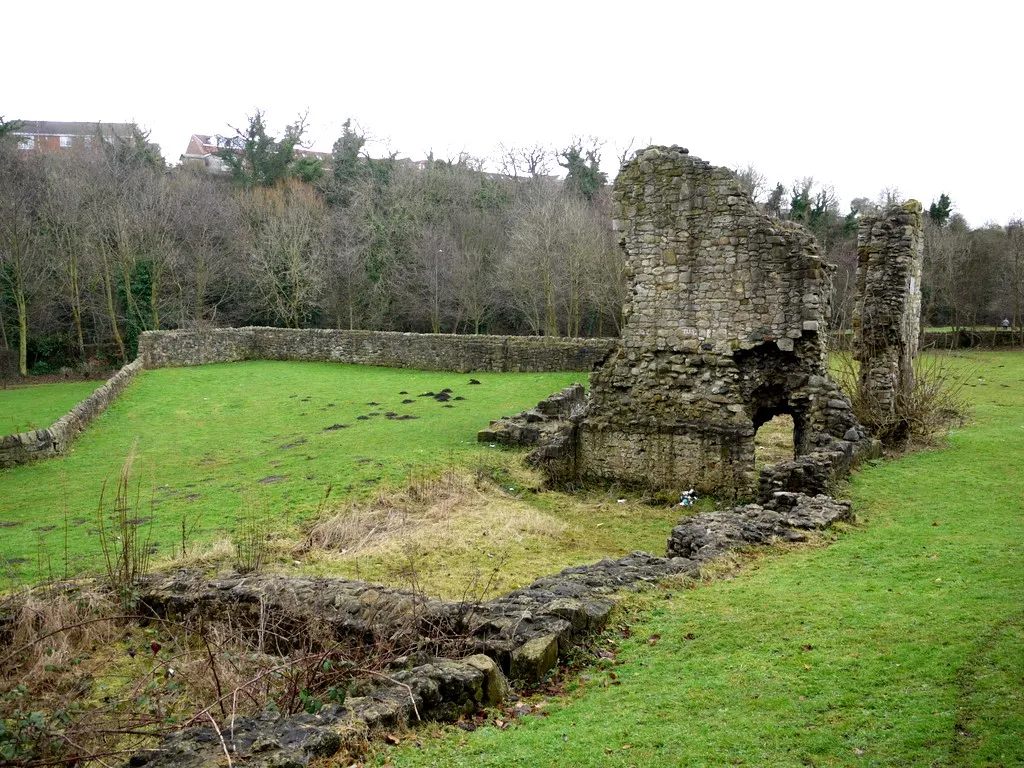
[(726, 327), (887, 313)]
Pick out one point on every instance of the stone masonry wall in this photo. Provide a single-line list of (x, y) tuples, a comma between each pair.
[(432, 352), (43, 443), (887, 313), (725, 328)]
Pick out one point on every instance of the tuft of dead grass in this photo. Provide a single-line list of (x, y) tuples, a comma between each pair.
[(52, 627), (920, 418), (459, 524)]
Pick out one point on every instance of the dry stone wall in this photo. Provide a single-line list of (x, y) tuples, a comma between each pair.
[(423, 351), (726, 327), (43, 443), (887, 312)]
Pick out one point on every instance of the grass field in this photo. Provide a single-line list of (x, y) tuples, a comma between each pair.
[(214, 443), (901, 644), (37, 407)]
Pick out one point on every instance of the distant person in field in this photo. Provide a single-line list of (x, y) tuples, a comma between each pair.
[(1006, 323)]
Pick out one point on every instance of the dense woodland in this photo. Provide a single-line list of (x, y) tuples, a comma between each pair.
[(98, 246)]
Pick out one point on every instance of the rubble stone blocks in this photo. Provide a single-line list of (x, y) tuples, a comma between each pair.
[(887, 312), (726, 327)]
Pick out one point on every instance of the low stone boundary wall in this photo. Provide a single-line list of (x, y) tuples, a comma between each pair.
[(43, 443), (966, 339), (424, 351)]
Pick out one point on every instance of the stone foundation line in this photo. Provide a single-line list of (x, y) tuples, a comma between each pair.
[(520, 635)]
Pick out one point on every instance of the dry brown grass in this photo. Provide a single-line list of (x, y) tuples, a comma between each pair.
[(446, 535), (52, 627), (920, 418)]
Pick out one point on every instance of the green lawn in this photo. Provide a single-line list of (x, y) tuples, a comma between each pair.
[(37, 407), (901, 644), (216, 439)]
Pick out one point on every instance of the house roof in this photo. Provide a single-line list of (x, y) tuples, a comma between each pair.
[(202, 145), (60, 128)]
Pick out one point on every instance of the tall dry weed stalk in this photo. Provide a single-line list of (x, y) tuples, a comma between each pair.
[(252, 534), (126, 549)]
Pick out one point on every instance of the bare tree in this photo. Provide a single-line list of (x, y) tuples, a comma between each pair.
[(753, 182), (204, 270), (349, 288), (287, 249), (624, 153), (947, 252), (425, 281), (1013, 271), (21, 190), (561, 265), (530, 275), (533, 161), (478, 236), (63, 205)]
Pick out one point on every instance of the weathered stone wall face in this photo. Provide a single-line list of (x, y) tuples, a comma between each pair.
[(43, 443), (887, 313), (432, 352), (725, 328)]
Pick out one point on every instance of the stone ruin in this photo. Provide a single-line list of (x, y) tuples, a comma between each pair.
[(887, 312), (726, 327)]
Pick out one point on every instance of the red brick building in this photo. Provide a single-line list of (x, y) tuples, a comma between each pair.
[(49, 136)]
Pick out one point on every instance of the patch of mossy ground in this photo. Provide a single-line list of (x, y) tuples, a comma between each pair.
[(902, 643), (25, 408)]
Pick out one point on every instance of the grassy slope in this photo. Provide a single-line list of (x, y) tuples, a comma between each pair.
[(37, 407), (207, 436), (901, 644)]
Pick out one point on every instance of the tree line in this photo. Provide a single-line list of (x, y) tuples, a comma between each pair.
[(970, 277), (98, 246)]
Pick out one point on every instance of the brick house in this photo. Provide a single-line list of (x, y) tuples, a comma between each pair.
[(202, 152), (51, 136)]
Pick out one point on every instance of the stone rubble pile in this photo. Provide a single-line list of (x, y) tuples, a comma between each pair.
[(786, 517)]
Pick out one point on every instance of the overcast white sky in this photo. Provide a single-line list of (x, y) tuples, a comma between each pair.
[(925, 97)]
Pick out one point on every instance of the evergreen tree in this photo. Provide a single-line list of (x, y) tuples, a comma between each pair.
[(257, 159), (308, 169), (939, 212), (8, 127), (773, 205), (584, 175)]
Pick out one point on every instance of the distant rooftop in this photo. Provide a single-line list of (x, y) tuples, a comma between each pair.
[(62, 128)]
